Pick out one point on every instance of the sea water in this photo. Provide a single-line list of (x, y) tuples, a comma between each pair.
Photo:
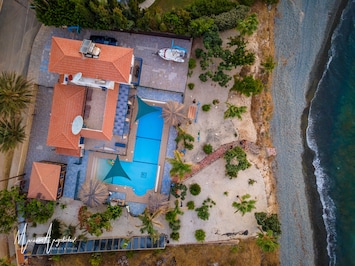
[(331, 135)]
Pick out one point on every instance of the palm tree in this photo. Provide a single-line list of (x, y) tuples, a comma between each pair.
[(15, 94), (157, 201), (234, 111), (244, 205), (11, 134), (186, 139), (173, 113), (179, 168), (267, 241), (149, 221)]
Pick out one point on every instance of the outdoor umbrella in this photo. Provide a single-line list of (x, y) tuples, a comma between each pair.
[(93, 193), (173, 113)]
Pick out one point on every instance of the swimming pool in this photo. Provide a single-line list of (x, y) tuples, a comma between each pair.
[(144, 166)]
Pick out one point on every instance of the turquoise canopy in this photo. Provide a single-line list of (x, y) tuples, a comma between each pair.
[(117, 170), (144, 108)]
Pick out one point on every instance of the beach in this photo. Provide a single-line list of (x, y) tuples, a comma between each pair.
[(302, 34)]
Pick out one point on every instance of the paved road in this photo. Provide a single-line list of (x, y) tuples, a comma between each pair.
[(18, 28)]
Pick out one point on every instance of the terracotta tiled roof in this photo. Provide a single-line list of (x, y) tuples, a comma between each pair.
[(106, 132), (68, 102), (69, 152), (44, 181), (114, 63)]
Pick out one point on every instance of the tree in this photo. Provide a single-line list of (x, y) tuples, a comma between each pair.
[(179, 168), (199, 26), (39, 211), (268, 222), (15, 94), (267, 241), (244, 205), (234, 111), (11, 134), (195, 189), (149, 221), (9, 200), (248, 25), (247, 86)]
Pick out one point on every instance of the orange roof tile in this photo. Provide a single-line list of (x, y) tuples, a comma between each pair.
[(114, 63), (68, 102), (106, 132), (69, 152), (44, 180)]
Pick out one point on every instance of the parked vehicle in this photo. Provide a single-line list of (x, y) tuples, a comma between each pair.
[(104, 40)]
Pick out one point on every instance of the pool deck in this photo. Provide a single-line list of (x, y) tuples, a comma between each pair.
[(130, 196)]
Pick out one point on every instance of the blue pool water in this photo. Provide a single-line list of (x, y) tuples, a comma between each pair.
[(143, 169)]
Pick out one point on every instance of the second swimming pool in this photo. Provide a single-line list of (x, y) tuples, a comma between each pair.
[(144, 166)]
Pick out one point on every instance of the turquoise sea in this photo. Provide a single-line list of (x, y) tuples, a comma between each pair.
[(331, 135)]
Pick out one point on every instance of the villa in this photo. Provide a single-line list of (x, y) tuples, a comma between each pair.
[(104, 123)]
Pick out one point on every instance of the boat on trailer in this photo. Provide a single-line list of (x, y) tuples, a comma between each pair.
[(172, 54)]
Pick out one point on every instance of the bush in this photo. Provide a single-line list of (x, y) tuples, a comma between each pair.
[(206, 107), (247, 86), (241, 157), (195, 189), (269, 64), (190, 205), (175, 236), (192, 63), (207, 148), (39, 211), (191, 86), (268, 222), (202, 212), (215, 101), (200, 235), (198, 53), (203, 77), (228, 20)]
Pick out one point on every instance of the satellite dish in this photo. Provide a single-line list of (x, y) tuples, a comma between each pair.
[(77, 77)]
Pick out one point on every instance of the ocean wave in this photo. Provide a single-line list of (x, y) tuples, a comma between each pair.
[(322, 182), (322, 179)]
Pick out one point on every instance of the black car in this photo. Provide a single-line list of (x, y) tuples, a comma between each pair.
[(104, 40)]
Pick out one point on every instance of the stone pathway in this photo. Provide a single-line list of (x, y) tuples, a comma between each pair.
[(217, 154)]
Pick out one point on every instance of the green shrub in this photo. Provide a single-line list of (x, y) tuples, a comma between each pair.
[(200, 235), (195, 189), (241, 157), (192, 63), (198, 53), (234, 111), (215, 101), (203, 211), (95, 259), (190, 205), (39, 211), (247, 86), (191, 86), (207, 148), (269, 64), (228, 20), (206, 107), (203, 77), (268, 222), (175, 236)]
